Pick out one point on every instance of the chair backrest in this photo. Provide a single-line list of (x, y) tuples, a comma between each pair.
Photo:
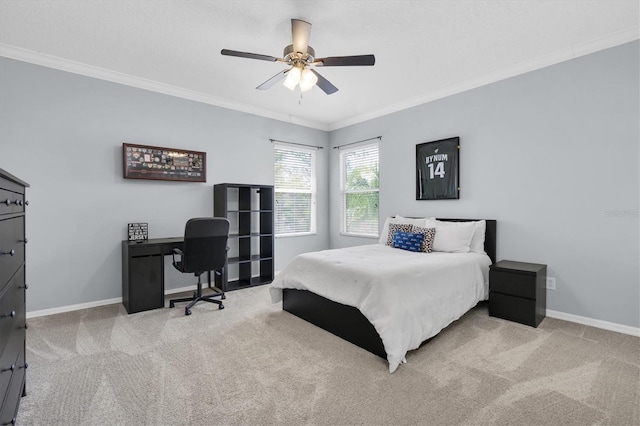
[(205, 244)]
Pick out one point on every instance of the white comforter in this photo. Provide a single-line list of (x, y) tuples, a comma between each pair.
[(408, 297)]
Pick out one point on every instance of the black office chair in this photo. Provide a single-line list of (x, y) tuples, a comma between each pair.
[(204, 249)]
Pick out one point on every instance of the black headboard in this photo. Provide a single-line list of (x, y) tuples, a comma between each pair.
[(489, 237)]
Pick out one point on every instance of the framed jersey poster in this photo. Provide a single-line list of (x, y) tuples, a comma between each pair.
[(437, 170)]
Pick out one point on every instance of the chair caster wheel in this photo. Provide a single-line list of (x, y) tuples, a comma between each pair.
[(187, 311), (223, 296), (172, 305), (221, 306)]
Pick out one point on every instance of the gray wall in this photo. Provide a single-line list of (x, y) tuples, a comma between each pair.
[(63, 134), (552, 155)]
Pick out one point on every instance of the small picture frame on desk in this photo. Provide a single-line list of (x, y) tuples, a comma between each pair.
[(138, 232)]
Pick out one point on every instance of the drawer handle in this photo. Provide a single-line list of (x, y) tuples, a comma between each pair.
[(25, 366), (26, 202), (18, 202), (10, 252), (26, 326), (8, 202), (11, 368), (11, 314), (25, 286), (26, 240)]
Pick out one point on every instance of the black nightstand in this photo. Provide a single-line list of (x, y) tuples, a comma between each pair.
[(518, 291)]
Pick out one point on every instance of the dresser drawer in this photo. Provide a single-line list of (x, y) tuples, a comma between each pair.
[(11, 247), (12, 319), (5, 381), (11, 202), (9, 409), (512, 283)]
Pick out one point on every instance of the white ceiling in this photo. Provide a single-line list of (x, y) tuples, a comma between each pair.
[(424, 49)]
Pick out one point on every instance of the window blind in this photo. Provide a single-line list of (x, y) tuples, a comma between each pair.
[(360, 189), (294, 190)]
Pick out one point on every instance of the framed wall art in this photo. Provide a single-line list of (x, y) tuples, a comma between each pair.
[(438, 170), (158, 163)]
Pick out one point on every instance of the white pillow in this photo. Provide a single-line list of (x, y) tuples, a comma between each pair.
[(477, 241), (384, 234), (453, 237)]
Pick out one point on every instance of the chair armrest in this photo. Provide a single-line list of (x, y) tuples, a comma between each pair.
[(173, 255)]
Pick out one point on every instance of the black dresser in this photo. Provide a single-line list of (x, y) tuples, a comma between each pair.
[(517, 291), (12, 296)]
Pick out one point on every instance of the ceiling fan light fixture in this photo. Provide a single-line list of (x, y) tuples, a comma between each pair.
[(307, 80), (293, 78), (299, 55)]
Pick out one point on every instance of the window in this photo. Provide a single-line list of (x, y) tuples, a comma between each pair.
[(359, 186), (295, 191)]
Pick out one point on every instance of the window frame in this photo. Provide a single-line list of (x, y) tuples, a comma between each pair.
[(313, 191), (344, 192)]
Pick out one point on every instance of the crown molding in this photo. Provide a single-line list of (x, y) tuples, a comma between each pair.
[(50, 61), (573, 52)]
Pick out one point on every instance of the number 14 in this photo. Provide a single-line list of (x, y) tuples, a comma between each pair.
[(439, 170)]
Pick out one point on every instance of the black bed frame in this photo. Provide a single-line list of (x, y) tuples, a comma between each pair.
[(348, 322)]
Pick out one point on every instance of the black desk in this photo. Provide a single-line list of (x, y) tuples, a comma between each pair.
[(143, 272)]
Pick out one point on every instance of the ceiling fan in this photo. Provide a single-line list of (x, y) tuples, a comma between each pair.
[(301, 58)]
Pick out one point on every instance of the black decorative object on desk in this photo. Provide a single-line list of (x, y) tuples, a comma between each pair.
[(517, 291), (138, 232)]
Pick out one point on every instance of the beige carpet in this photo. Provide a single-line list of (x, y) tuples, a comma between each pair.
[(252, 363)]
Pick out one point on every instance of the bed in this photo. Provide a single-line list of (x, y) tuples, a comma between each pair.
[(374, 295)]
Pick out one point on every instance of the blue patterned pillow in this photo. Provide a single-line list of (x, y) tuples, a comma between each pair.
[(408, 241)]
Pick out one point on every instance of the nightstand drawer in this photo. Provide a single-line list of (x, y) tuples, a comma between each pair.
[(512, 283), (513, 308)]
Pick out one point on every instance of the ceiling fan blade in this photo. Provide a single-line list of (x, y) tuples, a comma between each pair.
[(300, 31), (273, 80), (228, 52), (324, 84), (345, 61)]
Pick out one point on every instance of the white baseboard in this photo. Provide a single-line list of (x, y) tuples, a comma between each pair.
[(70, 308), (606, 325)]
